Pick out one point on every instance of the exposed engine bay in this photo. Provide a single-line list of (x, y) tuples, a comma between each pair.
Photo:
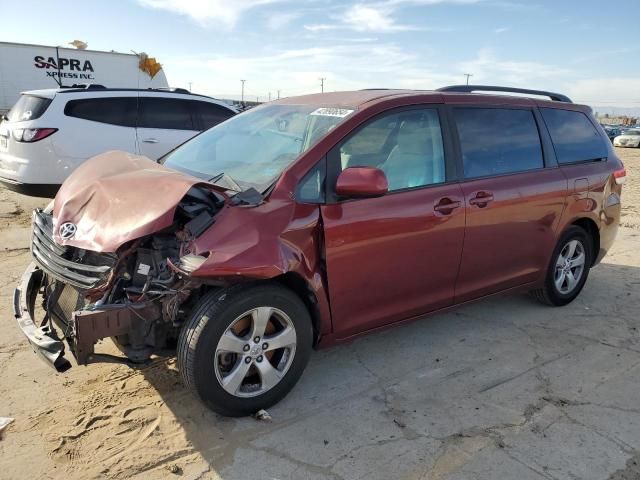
[(138, 296)]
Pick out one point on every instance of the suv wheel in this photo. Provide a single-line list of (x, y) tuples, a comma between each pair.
[(569, 268), (244, 348)]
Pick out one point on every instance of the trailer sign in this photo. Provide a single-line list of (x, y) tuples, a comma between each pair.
[(26, 67)]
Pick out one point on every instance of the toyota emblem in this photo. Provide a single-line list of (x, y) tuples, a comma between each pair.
[(67, 230)]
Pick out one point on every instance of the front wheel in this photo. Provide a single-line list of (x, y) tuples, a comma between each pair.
[(569, 268), (244, 348)]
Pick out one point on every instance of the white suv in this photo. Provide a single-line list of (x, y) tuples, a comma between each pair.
[(48, 133)]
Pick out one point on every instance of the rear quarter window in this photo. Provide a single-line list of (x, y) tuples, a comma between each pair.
[(28, 107), (574, 137), (165, 113), (212, 114), (120, 111)]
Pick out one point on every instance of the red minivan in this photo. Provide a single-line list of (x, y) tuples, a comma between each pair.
[(311, 220)]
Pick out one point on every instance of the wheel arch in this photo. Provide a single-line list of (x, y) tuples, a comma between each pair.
[(590, 226), (298, 285)]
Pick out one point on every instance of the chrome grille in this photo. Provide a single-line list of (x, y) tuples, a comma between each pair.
[(81, 268)]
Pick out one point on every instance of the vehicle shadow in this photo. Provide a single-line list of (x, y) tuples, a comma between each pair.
[(360, 406)]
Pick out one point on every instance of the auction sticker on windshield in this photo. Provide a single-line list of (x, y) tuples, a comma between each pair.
[(332, 112)]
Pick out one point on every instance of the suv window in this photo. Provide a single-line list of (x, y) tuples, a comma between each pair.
[(496, 141), (212, 114), (574, 137), (119, 111), (407, 146), (166, 113), (28, 107)]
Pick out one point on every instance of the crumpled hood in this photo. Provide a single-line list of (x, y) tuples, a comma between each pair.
[(116, 197)]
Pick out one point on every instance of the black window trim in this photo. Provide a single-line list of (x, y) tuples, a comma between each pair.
[(592, 122), (548, 155), (334, 167), (322, 164)]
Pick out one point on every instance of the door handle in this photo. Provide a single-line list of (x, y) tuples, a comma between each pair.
[(445, 206), (150, 140), (481, 199)]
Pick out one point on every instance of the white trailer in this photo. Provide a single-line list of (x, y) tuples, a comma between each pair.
[(29, 67)]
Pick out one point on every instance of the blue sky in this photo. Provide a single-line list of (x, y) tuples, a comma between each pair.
[(588, 49)]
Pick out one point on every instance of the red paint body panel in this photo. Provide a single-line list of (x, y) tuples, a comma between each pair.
[(509, 240), (116, 197), (391, 257)]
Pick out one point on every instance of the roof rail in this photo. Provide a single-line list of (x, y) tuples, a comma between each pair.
[(558, 97), (86, 86), (171, 89)]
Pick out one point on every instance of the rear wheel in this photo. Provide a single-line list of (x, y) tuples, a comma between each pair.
[(244, 348), (568, 270)]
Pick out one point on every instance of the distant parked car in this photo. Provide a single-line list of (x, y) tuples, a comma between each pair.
[(630, 138), (49, 133), (612, 132)]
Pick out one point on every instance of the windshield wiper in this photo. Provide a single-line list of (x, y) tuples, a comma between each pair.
[(230, 181)]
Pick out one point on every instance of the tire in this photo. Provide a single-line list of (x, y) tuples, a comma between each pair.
[(206, 366), (551, 293)]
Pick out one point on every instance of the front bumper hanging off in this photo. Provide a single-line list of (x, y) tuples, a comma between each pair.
[(85, 328), (43, 340)]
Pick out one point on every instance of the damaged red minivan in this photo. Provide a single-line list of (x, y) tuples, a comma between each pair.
[(307, 221)]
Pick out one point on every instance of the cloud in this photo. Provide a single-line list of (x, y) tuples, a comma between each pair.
[(365, 18), (207, 12), (346, 66), (613, 91), (488, 68), (277, 21), (501, 30)]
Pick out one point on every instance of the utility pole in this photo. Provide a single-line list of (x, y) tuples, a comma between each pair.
[(189, 87), (322, 79), (468, 75), (278, 94), (242, 96), (257, 99), (269, 96)]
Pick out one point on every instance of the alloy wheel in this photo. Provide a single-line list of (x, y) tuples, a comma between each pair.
[(255, 352), (569, 267)]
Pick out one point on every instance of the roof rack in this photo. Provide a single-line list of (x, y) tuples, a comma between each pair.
[(558, 97), (171, 89), (93, 86)]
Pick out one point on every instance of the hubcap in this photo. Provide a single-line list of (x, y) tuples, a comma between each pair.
[(569, 267), (255, 352)]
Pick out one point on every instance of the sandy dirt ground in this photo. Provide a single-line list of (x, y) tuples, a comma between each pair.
[(505, 388)]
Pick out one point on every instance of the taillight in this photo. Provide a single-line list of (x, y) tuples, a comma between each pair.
[(30, 135), (620, 176)]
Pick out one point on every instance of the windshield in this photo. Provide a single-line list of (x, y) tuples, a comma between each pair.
[(632, 132), (253, 148)]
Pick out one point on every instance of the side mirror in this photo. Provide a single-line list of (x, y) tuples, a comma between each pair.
[(362, 182)]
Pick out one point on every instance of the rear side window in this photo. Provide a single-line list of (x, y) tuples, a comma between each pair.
[(120, 111), (212, 114), (574, 137), (166, 113), (28, 107), (496, 141)]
